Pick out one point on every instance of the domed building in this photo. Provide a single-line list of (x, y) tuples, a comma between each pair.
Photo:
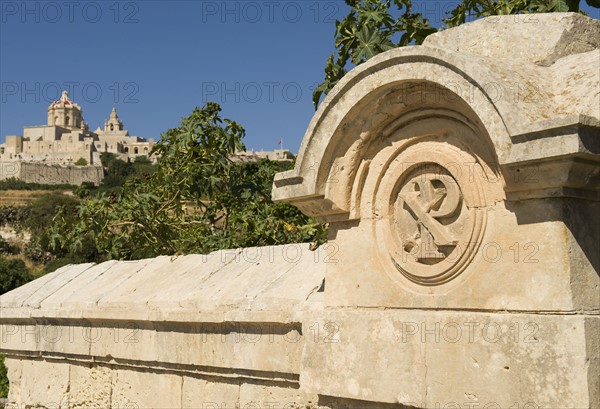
[(65, 113), (66, 139)]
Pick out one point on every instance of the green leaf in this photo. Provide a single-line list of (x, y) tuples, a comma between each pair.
[(371, 43)]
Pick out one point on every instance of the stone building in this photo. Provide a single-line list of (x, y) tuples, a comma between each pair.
[(66, 138), (277, 155), (113, 138), (461, 269)]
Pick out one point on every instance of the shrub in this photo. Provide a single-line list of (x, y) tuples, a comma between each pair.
[(17, 184), (6, 248), (143, 160), (34, 252), (43, 209), (13, 273), (3, 379), (61, 262), (107, 157)]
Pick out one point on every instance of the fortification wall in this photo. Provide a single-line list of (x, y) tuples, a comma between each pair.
[(51, 174)]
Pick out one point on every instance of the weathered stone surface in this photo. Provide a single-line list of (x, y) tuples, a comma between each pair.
[(424, 359), (43, 383), (209, 392), (17, 297), (543, 38), (71, 288), (533, 273), (14, 372), (218, 317), (90, 386), (460, 180), (145, 389), (509, 102), (265, 395)]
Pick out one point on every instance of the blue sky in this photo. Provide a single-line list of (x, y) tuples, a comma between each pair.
[(156, 60)]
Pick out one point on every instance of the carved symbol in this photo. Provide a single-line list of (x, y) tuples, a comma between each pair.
[(421, 202)]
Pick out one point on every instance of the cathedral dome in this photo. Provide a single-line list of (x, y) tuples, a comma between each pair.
[(65, 113), (64, 102)]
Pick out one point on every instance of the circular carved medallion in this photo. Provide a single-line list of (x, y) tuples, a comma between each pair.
[(432, 220)]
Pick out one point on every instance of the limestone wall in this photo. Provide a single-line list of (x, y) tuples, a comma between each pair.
[(250, 328), (51, 174), (221, 329)]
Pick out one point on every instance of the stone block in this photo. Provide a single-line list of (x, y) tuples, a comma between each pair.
[(139, 388), (90, 386), (42, 383), (210, 393), (424, 359)]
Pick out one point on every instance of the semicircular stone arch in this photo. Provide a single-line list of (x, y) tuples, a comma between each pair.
[(361, 113)]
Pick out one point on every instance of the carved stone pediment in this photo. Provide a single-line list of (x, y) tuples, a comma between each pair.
[(441, 168)]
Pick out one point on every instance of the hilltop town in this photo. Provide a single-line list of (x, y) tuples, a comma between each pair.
[(49, 153), (65, 151)]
